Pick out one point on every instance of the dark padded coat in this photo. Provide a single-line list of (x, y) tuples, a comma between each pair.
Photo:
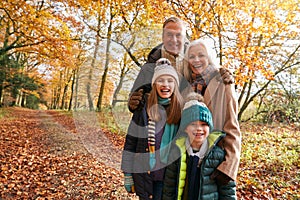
[(175, 176)]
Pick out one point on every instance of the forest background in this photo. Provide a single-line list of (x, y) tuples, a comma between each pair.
[(75, 55), (83, 55)]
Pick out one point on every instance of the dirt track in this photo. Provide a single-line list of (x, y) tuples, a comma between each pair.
[(45, 154)]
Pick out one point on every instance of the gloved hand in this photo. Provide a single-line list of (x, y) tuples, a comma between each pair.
[(135, 99), (226, 76), (128, 183), (220, 177)]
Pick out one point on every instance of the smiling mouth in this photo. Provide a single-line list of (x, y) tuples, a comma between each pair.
[(198, 134), (165, 90), (198, 66)]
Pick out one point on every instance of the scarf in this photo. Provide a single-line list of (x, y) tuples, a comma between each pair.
[(169, 133), (195, 159), (199, 82), (200, 154), (176, 61)]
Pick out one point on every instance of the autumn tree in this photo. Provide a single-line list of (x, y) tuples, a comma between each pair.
[(98, 13), (135, 36), (92, 41), (125, 67), (256, 39), (126, 28), (35, 29), (115, 26), (266, 48)]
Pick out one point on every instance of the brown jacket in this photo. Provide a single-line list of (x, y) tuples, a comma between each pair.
[(221, 101)]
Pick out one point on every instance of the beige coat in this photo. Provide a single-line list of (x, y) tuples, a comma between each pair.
[(221, 101)]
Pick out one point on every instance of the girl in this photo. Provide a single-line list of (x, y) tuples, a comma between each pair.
[(151, 132)]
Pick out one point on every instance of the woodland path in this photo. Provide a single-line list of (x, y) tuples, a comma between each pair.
[(63, 155), (46, 154)]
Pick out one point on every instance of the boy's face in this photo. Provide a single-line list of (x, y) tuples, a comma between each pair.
[(197, 132)]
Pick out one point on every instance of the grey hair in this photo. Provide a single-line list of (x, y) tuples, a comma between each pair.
[(177, 21), (185, 70)]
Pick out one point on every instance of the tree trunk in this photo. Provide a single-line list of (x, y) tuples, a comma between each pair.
[(76, 90), (91, 72), (62, 104), (19, 98), (23, 102), (63, 99), (100, 96), (72, 89), (124, 70), (1, 95)]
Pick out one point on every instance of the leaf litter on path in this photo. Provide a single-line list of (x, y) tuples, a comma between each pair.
[(43, 155)]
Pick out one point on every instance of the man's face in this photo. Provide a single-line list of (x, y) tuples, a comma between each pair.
[(173, 37)]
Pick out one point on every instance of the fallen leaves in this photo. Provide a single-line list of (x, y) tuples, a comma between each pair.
[(269, 167), (31, 169), (51, 155)]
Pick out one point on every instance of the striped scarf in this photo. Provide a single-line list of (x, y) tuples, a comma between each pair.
[(169, 133), (199, 82)]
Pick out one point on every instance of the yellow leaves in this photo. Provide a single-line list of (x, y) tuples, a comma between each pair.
[(251, 62), (40, 30)]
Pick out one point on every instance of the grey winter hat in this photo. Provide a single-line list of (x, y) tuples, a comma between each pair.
[(164, 67)]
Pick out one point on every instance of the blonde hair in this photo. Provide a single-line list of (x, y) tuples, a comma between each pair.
[(211, 56), (173, 110)]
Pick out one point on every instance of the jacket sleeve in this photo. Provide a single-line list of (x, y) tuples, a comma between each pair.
[(136, 129), (144, 78), (143, 81), (227, 192), (221, 100), (170, 181), (170, 188), (128, 154), (232, 141)]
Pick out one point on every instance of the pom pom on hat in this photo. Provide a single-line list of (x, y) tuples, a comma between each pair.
[(194, 110), (164, 67)]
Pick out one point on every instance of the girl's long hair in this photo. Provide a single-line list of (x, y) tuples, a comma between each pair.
[(173, 110)]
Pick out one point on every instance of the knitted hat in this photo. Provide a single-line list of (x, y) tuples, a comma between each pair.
[(164, 67), (194, 110)]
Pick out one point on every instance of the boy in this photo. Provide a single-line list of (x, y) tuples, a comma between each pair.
[(194, 156)]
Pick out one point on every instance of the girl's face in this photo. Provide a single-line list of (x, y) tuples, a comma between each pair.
[(197, 132), (198, 59), (165, 85)]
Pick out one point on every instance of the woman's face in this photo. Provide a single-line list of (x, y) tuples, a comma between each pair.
[(198, 59), (165, 85)]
